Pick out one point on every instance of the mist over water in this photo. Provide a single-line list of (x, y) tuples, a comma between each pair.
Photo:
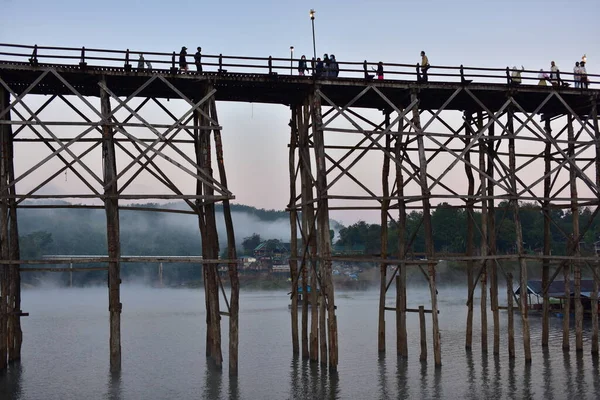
[(65, 352)]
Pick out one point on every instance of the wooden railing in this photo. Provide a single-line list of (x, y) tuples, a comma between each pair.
[(169, 63)]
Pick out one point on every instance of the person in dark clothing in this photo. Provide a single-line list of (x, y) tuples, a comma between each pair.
[(319, 68), (198, 59), (365, 68), (183, 65), (326, 64), (380, 70), (334, 68), (302, 67)]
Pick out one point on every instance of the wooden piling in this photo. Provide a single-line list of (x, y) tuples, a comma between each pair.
[(575, 235), (111, 206), (401, 335), (511, 317), (492, 241), (594, 297), (234, 281), (296, 113), (470, 229), (423, 355), (519, 237), (484, 236), (429, 249), (4, 242), (385, 204), (547, 234)]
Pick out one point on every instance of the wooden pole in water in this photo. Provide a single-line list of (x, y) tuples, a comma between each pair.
[(492, 241), (576, 248), (402, 340), (296, 112), (323, 232), (423, 356), (385, 204), (511, 317), (519, 237), (429, 249), (4, 243), (484, 236), (470, 229), (112, 227), (594, 296), (160, 275), (547, 235), (234, 281)]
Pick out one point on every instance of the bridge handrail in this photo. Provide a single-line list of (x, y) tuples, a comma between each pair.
[(94, 57)]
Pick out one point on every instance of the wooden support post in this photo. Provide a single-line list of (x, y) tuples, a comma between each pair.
[(324, 239), (519, 237), (307, 218), (423, 356), (547, 235), (594, 297), (401, 335), (385, 204), (470, 231), (484, 236), (296, 114), (575, 236), (4, 238), (511, 317), (566, 304), (232, 267), (429, 249), (111, 207), (492, 241)]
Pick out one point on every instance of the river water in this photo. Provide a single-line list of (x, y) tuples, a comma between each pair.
[(65, 352)]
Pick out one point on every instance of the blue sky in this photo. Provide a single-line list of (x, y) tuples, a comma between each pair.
[(477, 33)]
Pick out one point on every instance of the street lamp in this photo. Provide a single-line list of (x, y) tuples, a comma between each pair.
[(584, 58), (312, 18), (291, 60)]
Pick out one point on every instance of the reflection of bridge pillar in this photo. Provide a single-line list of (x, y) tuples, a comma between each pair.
[(111, 206), (160, 275)]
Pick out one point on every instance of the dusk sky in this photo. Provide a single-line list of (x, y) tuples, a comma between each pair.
[(474, 33)]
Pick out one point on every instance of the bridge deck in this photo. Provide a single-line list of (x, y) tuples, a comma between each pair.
[(288, 89)]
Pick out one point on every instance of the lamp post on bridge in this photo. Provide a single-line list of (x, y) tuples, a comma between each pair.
[(312, 19), (291, 60)]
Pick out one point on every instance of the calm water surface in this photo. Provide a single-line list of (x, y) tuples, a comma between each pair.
[(65, 353)]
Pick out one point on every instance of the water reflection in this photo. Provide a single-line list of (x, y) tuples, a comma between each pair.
[(547, 373), (595, 373), (383, 387), (512, 384), (471, 380), (527, 392), (580, 383), (309, 380), (402, 376), (234, 389), (10, 382), (213, 381), (114, 385)]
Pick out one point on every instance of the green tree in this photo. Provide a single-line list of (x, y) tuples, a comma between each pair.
[(249, 243)]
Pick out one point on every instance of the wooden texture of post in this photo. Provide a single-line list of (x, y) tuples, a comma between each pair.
[(492, 240), (547, 234), (575, 235), (14, 350), (324, 239), (4, 241), (296, 114), (385, 204), (401, 335), (484, 235), (307, 220), (111, 206), (429, 250), (519, 237), (423, 330), (594, 297), (511, 316), (234, 300), (470, 229)]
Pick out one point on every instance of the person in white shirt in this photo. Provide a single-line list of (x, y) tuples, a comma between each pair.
[(554, 78), (576, 72)]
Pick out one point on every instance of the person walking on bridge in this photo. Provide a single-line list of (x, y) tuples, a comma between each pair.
[(183, 65), (334, 68), (302, 67), (198, 59), (424, 65), (141, 62), (554, 74)]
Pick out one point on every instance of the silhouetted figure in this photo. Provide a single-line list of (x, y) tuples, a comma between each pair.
[(198, 59), (515, 75), (554, 74), (380, 70), (302, 67), (326, 65), (319, 68), (424, 66), (334, 68), (583, 78), (365, 68), (183, 65), (141, 62)]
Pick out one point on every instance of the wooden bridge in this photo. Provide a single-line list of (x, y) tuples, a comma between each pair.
[(467, 138)]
